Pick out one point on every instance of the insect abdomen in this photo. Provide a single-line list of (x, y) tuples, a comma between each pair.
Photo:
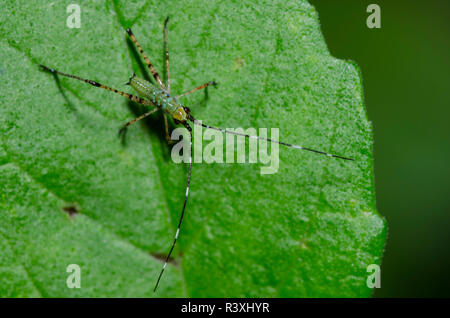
[(146, 89), (158, 97)]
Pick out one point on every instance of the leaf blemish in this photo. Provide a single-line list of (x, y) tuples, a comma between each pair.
[(303, 244), (238, 63), (71, 210)]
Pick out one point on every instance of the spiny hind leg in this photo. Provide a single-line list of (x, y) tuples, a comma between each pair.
[(166, 47), (197, 88), (147, 61), (131, 97)]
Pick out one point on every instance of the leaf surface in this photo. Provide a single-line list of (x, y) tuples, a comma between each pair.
[(309, 230)]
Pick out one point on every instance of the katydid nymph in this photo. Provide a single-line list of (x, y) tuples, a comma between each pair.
[(157, 97)]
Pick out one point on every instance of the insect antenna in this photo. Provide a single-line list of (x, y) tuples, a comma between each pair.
[(196, 122), (184, 206)]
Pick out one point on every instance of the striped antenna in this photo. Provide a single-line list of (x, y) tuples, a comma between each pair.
[(184, 207), (196, 122)]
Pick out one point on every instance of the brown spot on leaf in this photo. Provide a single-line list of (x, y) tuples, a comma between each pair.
[(71, 210)]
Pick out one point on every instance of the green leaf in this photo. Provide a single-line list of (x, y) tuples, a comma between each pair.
[(310, 230)]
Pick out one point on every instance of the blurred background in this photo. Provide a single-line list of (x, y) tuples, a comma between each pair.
[(406, 75)]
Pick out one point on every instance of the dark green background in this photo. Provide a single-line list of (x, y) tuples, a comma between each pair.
[(406, 68)]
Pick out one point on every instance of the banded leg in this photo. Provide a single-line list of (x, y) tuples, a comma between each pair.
[(166, 46), (147, 61), (133, 98), (184, 206), (197, 89), (131, 122)]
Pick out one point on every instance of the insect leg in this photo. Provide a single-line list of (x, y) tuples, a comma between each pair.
[(131, 122), (147, 61), (184, 206), (197, 89), (133, 98), (166, 46), (166, 125)]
